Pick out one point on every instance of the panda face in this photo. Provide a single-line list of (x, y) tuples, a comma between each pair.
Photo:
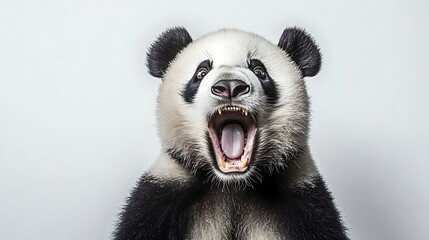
[(232, 105)]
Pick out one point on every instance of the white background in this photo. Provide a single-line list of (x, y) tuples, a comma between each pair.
[(77, 107)]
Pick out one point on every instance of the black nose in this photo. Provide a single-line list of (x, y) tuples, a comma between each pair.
[(230, 88)]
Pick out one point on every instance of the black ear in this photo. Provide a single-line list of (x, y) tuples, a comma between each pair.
[(165, 49), (302, 49)]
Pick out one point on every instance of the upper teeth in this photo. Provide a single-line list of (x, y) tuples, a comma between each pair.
[(232, 108)]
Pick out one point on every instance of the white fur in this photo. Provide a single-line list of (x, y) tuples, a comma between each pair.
[(211, 219), (165, 168), (302, 172), (260, 226)]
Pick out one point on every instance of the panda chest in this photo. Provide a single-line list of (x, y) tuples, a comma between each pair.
[(226, 218)]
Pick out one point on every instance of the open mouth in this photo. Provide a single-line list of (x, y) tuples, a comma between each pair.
[(232, 130)]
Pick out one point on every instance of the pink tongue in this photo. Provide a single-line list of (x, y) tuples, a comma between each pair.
[(232, 140)]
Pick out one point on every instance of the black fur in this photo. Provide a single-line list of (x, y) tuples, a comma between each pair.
[(302, 49), (307, 212), (162, 209), (157, 210), (191, 87), (268, 84), (165, 49)]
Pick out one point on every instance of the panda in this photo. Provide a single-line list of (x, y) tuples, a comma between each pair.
[(233, 118)]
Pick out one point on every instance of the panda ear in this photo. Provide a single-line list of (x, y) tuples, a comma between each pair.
[(302, 49), (165, 49)]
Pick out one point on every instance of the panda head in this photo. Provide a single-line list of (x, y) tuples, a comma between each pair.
[(232, 106)]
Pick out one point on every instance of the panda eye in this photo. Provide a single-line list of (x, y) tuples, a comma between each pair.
[(201, 73), (260, 72)]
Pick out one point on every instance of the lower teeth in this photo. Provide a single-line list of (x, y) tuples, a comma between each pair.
[(244, 162)]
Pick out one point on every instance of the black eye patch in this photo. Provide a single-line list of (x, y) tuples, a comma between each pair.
[(191, 87), (268, 85)]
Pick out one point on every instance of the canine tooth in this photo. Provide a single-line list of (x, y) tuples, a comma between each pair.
[(219, 111), (245, 112), (222, 162), (244, 161)]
